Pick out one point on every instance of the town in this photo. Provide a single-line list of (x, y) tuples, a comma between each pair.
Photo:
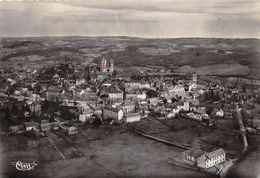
[(63, 101)]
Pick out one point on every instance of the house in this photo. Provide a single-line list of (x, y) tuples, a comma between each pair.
[(20, 98), (176, 90), (17, 92), (136, 95), (31, 126), (98, 110), (85, 115), (194, 116), (199, 109), (220, 113), (132, 117), (185, 106), (211, 159), (206, 120), (72, 130), (106, 84), (128, 106), (228, 115), (53, 94), (17, 129), (45, 125), (80, 81), (193, 155), (144, 84), (132, 85), (113, 93), (113, 113), (154, 101), (35, 107)]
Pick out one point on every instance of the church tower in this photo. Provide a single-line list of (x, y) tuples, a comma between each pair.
[(111, 63), (103, 65), (194, 79)]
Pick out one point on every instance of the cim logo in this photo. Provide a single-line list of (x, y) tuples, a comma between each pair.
[(24, 166)]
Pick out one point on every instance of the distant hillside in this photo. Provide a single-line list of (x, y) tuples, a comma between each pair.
[(128, 51)]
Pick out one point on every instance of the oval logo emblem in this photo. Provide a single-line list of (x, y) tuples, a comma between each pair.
[(24, 166)]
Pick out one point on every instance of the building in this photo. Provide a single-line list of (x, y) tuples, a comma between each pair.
[(80, 81), (193, 155), (135, 95), (194, 78), (87, 113), (228, 115), (113, 93), (111, 67), (53, 94), (17, 129), (153, 101), (128, 106), (132, 85), (45, 125), (194, 116), (72, 130), (206, 120), (145, 84), (173, 91), (36, 108), (31, 126), (220, 113), (185, 106), (211, 159), (113, 113), (103, 65), (177, 90), (132, 117)]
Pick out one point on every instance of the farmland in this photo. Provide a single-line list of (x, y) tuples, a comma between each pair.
[(207, 55), (113, 151)]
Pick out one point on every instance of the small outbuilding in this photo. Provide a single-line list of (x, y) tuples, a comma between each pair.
[(132, 117)]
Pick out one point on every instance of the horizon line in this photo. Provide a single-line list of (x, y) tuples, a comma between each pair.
[(97, 36)]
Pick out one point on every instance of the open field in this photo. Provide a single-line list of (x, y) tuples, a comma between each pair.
[(249, 166), (112, 151), (189, 132), (107, 152), (218, 69), (207, 55)]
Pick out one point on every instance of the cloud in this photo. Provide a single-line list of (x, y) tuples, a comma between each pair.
[(178, 6), (145, 18)]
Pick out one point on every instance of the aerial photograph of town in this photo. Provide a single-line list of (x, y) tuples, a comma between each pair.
[(130, 89)]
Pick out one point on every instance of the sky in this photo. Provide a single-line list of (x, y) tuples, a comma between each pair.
[(141, 18)]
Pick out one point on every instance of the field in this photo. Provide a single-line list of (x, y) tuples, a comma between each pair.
[(206, 55), (218, 69), (112, 151), (249, 166)]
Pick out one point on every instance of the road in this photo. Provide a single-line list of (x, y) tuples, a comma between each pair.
[(242, 129)]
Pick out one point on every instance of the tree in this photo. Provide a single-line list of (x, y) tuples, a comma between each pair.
[(209, 109), (152, 94), (164, 100), (258, 100)]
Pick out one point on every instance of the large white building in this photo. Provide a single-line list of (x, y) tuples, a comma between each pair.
[(211, 159), (173, 91), (177, 90)]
